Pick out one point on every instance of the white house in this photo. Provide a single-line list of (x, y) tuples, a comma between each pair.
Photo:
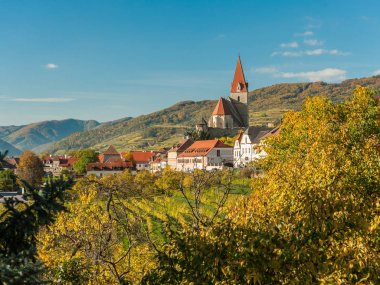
[(206, 154), (247, 146)]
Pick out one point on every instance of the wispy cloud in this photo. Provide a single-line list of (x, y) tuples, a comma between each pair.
[(327, 74), (304, 34), (313, 42), (289, 45), (313, 52), (42, 100), (377, 72), (266, 69), (51, 66)]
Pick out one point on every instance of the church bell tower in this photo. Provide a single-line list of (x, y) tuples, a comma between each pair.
[(239, 93)]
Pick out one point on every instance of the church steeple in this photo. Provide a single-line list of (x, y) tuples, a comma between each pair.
[(239, 84)]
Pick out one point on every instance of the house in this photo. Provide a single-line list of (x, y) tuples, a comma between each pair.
[(110, 154), (10, 163), (55, 164), (110, 162), (158, 164), (248, 146), (205, 154), (176, 150), (142, 159), (232, 112)]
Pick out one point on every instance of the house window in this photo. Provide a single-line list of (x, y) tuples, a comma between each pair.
[(218, 152), (238, 98)]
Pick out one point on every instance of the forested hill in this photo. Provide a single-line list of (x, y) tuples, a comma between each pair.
[(35, 135), (165, 127)]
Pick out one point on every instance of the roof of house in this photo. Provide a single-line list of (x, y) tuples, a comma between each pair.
[(255, 133), (111, 150), (142, 156), (222, 107), (109, 166), (239, 79), (272, 132), (202, 148), (181, 146)]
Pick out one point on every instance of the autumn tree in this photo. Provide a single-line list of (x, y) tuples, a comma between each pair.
[(312, 218), (98, 239), (129, 157), (31, 168)]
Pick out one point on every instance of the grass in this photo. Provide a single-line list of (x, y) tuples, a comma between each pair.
[(156, 211)]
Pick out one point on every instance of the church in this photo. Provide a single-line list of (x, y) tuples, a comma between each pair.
[(232, 112)]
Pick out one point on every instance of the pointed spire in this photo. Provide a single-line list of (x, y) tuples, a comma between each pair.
[(239, 84), (222, 108)]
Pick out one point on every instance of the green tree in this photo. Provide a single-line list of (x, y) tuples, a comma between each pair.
[(19, 224), (85, 156), (313, 217), (3, 155), (8, 180), (31, 168)]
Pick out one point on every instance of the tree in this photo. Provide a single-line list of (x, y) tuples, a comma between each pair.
[(99, 239), (19, 224), (3, 155), (129, 156), (31, 168), (85, 156), (313, 217), (8, 180)]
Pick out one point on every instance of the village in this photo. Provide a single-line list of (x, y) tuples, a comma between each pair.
[(230, 117)]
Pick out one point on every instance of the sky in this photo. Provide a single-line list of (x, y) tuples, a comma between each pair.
[(110, 59)]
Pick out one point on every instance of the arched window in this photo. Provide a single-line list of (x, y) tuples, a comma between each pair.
[(238, 98)]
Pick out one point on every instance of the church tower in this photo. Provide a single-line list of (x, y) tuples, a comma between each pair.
[(239, 93), (232, 112)]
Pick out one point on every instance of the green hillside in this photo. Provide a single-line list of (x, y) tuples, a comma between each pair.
[(34, 135), (163, 128), (12, 151)]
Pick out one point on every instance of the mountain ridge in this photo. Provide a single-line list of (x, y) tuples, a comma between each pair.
[(34, 135)]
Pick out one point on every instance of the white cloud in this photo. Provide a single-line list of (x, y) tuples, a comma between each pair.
[(51, 66), (377, 72), (266, 69), (310, 52), (304, 34), (327, 74), (313, 42), (289, 45), (43, 100)]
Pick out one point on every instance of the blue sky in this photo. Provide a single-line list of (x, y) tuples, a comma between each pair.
[(110, 59)]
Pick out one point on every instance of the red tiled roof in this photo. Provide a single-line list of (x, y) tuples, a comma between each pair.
[(222, 108), (108, 166), (111, 150), (141, 156), (239, 79), (202, 148)]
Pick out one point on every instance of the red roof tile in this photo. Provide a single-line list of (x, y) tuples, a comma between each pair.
[(239, 79), (202, 148), (222, 108), (141, 156)]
